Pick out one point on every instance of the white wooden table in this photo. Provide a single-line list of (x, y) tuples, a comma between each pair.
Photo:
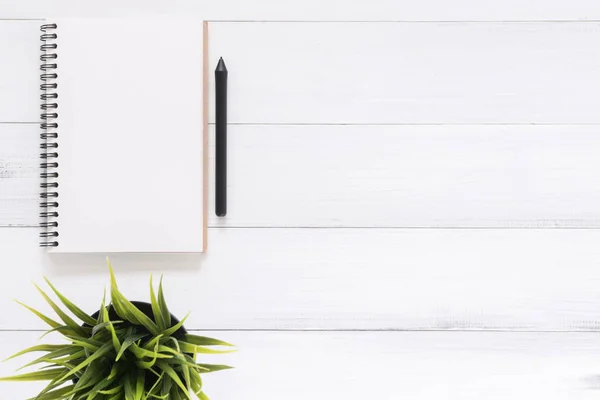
[(434, 228)]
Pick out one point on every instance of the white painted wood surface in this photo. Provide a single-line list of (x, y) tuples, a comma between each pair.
[(337, 10), (413, 176), (410, 73), (388, 366), (515, 173), (19, 174), (20, 71), (377, 176), (381, 73), (465, 279)]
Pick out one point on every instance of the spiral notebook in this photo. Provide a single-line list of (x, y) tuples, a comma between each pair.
[(124, 114)]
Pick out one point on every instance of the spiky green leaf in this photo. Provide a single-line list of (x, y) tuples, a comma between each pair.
[(167, 369), (35, 376), (129, 340), (139, 385), (164, 310), (39, 348), (176, 327), (111, 329), (51, 357), (94, 392), (167, 383), (140, 352), (203, 396), (47, 320), (78, 312), (196, 383), (90, 375), (156, 310), (152, 342), (129, 385), (102, 351), (125, 309), (190, 348), (54, 394), (213, 367), (205, 341), (115, 390), (70, 322)]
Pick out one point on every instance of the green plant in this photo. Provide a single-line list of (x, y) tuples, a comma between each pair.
[(120, 354)]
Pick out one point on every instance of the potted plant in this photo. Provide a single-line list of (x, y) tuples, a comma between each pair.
[(127, 350)]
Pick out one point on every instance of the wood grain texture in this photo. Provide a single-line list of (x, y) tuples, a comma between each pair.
[(19, 70), (387, 365), (315, 10), (412, 176), (338, 279), (376, 176), (405, 73), (19, 174), (364, 279), (410, 73)]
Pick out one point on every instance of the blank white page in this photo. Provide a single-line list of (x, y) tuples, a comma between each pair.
[(131, 135)]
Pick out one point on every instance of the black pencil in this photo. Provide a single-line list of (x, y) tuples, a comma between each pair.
[(221, 139)]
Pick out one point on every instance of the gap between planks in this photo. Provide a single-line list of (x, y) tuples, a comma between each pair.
[(388, 228), (375, 330), (359, 21), (367, 124)]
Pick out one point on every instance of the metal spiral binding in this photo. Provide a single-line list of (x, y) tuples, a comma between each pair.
[(48, 155)]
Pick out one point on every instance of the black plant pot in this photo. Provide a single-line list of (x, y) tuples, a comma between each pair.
[(146, 308)]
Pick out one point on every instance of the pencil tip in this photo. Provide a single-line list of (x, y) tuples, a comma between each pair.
[(221, 65)]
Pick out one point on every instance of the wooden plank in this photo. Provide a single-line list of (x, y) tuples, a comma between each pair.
[(410, 73), (19, 174), (363, 10), (386, 365), (461, 73), (19, 71), (413, 176), (376, 176), (337, 279)]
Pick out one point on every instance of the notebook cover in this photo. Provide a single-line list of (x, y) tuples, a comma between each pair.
[(132, 135)]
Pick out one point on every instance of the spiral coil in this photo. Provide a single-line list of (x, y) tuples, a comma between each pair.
[(48, 154)]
